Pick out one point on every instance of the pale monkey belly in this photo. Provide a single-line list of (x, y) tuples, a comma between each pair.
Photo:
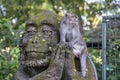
[(77, 49), (69, 36)]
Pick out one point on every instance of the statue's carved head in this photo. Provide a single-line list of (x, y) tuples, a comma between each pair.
[(41, 35)]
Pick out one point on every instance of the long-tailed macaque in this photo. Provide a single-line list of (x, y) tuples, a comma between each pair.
[(70, 34)]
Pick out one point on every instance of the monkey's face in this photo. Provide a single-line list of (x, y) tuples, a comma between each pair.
[(72, 18)]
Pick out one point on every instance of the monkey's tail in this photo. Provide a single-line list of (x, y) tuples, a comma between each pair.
[(93, 66)]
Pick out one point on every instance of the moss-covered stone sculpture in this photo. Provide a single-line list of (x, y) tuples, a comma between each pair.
[(41, 58)]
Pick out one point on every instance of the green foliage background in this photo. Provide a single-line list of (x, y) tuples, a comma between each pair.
[(9, 51)]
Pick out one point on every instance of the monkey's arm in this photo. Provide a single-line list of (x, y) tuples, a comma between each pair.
[(76, 35), (62, 33)]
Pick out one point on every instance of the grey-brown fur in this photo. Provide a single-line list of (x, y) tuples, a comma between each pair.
[(70, 34)]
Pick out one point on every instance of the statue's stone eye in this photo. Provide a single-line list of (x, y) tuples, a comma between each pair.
[(46, 29), (31, 29), (48, 32)]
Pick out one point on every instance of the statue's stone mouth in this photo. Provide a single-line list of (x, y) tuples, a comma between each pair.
[(36, 59), (36, 50)]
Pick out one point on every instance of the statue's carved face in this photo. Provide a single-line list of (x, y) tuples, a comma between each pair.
[(36, 44)]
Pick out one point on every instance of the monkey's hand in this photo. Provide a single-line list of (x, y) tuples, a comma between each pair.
[(69, 45), (62, 44)]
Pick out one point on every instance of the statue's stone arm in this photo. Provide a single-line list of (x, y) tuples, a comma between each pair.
[(20, 75)]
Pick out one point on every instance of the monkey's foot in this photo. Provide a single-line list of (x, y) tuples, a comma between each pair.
[(82, 74), (69, 45), (76, 56)]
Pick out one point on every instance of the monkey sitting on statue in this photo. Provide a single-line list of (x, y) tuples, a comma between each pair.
[(70, 35)]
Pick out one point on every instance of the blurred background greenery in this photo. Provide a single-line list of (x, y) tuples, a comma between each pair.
[(14, 14)]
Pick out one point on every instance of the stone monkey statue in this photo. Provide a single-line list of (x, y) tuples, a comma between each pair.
[(41, 58)]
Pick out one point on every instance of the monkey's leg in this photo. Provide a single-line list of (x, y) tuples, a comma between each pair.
[(83, 58)]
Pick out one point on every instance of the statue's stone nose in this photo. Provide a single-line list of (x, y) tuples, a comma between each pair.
[(35, 40)]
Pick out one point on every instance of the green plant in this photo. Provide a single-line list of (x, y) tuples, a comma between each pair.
[(9, 51)]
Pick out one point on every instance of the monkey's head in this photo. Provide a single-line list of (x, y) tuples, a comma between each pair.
[(71, 18)]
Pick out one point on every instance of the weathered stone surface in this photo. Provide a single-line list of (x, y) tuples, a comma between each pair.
[(42, 58)]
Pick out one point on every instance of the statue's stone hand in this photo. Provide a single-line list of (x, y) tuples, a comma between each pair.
[(64, 45)]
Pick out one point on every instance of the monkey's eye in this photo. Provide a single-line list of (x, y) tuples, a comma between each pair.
[(73, 16), (76, 17), (66, 15)]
